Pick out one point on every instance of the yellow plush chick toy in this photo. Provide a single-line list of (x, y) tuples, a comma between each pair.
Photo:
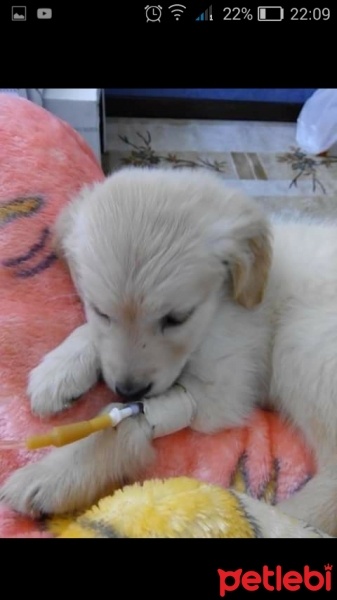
[(180, 507)]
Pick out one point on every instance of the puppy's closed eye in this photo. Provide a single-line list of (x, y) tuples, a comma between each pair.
[(175, 319), (101, 314)]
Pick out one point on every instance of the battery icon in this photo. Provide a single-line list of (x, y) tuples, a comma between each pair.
[(270, 13)]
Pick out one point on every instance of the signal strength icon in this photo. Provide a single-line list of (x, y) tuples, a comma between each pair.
[(177, 10), (206, 16)]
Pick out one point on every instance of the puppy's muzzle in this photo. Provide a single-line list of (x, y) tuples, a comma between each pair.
[(131, 391)]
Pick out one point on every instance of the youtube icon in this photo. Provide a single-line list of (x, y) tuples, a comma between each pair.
[(44, 13)]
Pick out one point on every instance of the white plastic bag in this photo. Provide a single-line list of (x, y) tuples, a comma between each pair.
[(317, 122)]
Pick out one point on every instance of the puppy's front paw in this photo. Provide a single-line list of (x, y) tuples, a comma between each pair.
[(36, 490), (50, 390), (67, 479), (64, 374), (74, 476)]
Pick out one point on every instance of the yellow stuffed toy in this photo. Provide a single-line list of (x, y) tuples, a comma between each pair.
[(180, 507)]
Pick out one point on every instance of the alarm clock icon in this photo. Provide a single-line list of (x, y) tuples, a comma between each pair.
[(153, 13)]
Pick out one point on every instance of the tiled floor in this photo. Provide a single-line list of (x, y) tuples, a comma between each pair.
[(260, 158)]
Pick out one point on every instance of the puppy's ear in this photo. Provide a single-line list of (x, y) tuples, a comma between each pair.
[(61, 230), (242, 240), (63, 240)]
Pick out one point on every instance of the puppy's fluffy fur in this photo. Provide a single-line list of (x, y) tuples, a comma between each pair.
[(184, 280)]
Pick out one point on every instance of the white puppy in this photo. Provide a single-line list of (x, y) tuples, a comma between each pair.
[(179, 285)]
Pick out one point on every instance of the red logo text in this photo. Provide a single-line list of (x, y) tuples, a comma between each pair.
[(275, 580)]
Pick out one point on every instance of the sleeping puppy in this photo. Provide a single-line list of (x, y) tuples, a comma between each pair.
[(199, 307)]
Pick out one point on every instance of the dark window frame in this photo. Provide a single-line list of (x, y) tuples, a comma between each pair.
[(187, 108)]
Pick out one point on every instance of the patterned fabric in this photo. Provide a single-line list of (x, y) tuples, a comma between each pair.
[(180, 507)]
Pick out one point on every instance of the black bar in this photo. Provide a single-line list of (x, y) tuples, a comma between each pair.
[(185, 108)]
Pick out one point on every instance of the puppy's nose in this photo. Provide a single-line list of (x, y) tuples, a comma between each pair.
[(131, 390)]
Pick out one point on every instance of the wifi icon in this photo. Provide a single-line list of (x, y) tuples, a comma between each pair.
[(177, 10)]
